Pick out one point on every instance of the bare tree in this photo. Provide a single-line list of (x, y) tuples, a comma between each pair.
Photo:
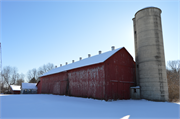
[(49, 66), (45, 68), (32, 74), (174, 65), (2, 83), (40, 71), (10, 76), (173, 76), (20, 80), (14, 76), (6, 74)]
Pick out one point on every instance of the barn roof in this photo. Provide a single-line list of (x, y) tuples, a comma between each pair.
[(29, 86), (84, 62), (15, 87)]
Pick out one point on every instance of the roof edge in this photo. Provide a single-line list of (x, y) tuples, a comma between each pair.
[(85, 65), (147, 8)]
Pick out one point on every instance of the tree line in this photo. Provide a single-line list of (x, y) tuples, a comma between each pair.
[(10, 76)]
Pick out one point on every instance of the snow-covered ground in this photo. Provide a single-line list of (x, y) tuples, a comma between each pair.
[(42, 106)]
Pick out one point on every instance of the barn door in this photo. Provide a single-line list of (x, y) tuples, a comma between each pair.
[(114, 89), (120, 89)]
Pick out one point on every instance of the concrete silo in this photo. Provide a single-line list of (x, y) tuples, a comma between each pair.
[(149, 53)]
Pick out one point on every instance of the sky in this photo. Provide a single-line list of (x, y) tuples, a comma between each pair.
[(37, 32)]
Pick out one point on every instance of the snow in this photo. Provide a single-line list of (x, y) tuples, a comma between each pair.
[(84, 62), (29, 86), (57, 106), (15, 87), (135, 87)]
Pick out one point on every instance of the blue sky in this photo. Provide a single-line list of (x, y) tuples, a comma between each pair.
[(34, 33)]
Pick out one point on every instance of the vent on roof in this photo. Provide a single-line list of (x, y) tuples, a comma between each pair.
[(89, 55), (60, 65), (80, 58), (99, 52), (55, 66), (112, 47), (72, 61), (66, 63)]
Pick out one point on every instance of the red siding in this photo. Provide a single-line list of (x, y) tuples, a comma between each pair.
[(87, 81), (109, 80), (55, 84), (39, 86), (15, 92), (120, 75)]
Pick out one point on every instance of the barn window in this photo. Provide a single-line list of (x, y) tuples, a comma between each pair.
[(134, 90)]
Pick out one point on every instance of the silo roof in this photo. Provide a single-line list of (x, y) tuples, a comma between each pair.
[(147, 8)]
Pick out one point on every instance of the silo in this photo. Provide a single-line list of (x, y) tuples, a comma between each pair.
[(149, 53)]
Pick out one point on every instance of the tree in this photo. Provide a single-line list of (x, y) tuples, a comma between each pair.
[(14, 76), (40, 71), (20, 80), (173, 77), (49, 66), (45, 68), (32, 74), (2, 83), (6, 74), (10, 76), (174, 66), (33, 80)]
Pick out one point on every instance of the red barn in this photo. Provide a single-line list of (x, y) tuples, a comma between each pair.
[(105, 76), (15, 89)]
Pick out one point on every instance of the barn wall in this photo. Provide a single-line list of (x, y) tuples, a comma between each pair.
[(54, 84), (120, 75), (39, 86), (16, 92), (87, 81), (82, 82)]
